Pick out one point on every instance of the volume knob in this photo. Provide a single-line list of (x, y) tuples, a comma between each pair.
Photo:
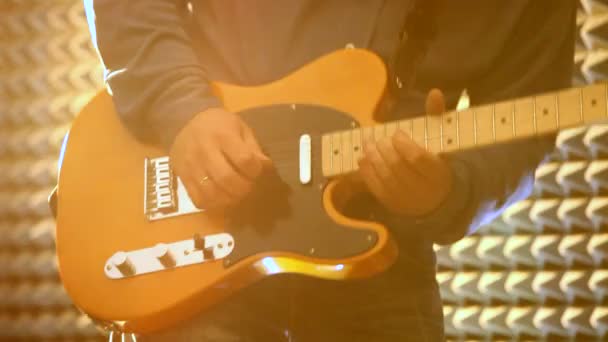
[(122, 262), (164, 255), (201, 243)]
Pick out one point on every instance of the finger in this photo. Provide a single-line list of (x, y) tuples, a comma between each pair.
[(193, 190), (224, 176), (435, 102), (245, 159), (209, 195), (249, 137), (192, 177), (423, 162), (381, 167), (186, 168), (206, 194), (406, 176), (374, 184)]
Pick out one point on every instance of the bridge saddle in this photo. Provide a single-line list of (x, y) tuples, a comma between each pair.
[(164, 193)]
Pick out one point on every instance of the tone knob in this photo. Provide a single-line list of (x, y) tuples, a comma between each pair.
[(121, 261), (200, 243), (163, 253)]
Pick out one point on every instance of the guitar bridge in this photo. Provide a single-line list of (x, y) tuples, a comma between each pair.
[(164, 194)]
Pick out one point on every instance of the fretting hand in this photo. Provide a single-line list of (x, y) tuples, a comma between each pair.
[(402, 175)]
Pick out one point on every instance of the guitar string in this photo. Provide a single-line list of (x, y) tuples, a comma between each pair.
[(293, 149), (290, 156), (295, 143)]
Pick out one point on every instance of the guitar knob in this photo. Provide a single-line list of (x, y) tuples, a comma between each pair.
[(122, 262), (164, 255), (200, 243)]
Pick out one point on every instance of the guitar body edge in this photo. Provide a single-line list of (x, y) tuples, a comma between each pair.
[(351, 81)]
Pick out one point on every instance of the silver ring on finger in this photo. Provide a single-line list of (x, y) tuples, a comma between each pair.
[(203, 180)]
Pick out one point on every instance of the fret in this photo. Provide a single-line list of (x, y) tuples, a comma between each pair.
[(357, 147), (379, 132), (594, 103), (556, 110), (513, 118), (456, 115), (419, 131), (466, 129), (503, 121), (475, 127), (326, 155), (546, 114), (368, 134), (406, 127), (449, 131), (391, 128), (580, 100), (426, 135), (494, 122), (336, 155), (524, 117), (484, 125), (347, 151), (534, 114), (433, 133), (569, 108)]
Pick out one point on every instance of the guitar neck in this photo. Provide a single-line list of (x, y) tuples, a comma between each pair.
[(475, 127)]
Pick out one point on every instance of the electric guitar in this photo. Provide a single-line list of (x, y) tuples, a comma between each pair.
[(135, 253)]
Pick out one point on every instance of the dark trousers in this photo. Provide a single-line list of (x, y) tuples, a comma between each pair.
[(297, 309)]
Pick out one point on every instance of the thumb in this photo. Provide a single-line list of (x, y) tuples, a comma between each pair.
[(435, 102)]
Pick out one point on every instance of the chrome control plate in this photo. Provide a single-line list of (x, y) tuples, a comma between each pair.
[(183, 253)]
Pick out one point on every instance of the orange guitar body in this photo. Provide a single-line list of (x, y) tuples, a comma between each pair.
[(100, 206)]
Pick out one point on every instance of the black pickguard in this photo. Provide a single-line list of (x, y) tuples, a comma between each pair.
[(281, 214)]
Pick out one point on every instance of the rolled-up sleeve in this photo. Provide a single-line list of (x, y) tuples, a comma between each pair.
[(156, 80)]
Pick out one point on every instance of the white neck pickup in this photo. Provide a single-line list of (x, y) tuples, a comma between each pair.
[(474, 127)]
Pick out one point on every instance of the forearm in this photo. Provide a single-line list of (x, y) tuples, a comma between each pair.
[(151, 69), (489, 180), (485, 183)]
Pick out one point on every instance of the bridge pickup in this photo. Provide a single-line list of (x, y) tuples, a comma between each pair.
[(164, 194)]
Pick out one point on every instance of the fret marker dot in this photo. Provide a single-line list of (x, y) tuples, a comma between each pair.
[(336, 152), (356, 148), (449, 141), (503, 120), (448, 119), (545, 111), (593, 102)]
